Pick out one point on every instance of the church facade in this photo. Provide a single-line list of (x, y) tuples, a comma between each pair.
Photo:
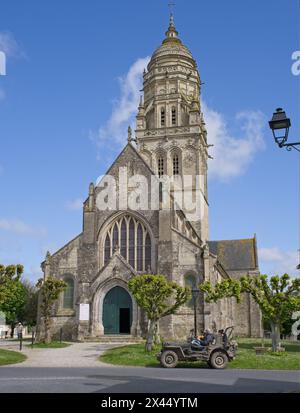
[(127, 239)]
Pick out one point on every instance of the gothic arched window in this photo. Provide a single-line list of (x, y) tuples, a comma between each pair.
[(173, 112), (68, 294), (139, 256), (160, 166), (148, 253), (190, 282), (107, 251), (131, 254), (162, 117), (115, 237), (175, 164), (124, 240), (131, 239)]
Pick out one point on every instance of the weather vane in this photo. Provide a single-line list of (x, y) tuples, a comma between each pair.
[(171, 5)]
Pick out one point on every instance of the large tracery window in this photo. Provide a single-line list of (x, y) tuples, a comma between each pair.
[(131, 239), (190, 282), (68, 294)]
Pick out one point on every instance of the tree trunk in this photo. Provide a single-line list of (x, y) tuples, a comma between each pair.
[(12, 330), (47, 330), (275, 327), (150, 335)]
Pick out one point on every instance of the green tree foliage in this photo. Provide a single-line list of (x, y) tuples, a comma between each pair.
[(12, 294), (50, 289), (9, 275), (277, 297), (28, 314), (158, 297)]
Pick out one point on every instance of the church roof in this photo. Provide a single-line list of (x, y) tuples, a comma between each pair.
[(130, 147), (236, 255)]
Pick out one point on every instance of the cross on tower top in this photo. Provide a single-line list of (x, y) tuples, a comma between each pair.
[(171, 6)]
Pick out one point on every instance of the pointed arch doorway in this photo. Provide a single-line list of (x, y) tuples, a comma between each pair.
[(117, 311)]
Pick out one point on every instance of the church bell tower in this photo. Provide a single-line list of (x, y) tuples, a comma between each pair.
[(170, 130)]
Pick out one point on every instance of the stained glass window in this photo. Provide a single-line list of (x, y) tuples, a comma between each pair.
[(68, 300), (131, 239)]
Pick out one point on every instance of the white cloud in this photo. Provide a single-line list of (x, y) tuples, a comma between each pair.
[(34, 273), (232, 155), (11, 49), (74, 205), (275, 261), (124, 109), (19, 227), (9, 45)]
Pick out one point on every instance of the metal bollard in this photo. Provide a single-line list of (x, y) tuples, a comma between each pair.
[(32, 338), (21, 340)]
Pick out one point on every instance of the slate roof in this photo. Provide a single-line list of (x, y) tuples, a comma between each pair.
[(235, 255)]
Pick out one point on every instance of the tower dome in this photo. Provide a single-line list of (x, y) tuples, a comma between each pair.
[(171, 48)]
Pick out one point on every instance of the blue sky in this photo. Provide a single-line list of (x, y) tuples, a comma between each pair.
[(69, 70)]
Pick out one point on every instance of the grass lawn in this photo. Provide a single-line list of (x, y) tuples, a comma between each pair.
[(135, 355), (132, 355), (10, 357), (53, 344)]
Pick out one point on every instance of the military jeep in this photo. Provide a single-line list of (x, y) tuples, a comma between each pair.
[(220, 351)]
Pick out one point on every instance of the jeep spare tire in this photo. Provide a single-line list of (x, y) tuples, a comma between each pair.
[(218, 360), (169, 359)]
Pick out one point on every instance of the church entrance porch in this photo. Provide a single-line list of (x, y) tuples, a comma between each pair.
[(117, 311)]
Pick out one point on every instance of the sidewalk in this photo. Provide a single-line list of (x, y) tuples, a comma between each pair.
[(76, 355)]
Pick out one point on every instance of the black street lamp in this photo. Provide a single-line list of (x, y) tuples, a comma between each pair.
[(195, 294), (280, 126)]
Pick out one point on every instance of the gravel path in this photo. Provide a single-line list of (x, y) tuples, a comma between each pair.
[(76, 355)]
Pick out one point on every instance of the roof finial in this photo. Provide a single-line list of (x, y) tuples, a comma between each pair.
[(129, 134), (172, 32), (171, 6)]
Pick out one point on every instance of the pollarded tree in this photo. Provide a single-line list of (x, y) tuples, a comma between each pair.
[(10, 275), (158, 297), (14, 305), (50, 289), (12, 294), (277, 297)]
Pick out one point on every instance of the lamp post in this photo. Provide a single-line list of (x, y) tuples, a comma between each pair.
[(280, 126), (195, 294)]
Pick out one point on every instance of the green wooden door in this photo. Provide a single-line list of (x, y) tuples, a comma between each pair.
[(115, 300)]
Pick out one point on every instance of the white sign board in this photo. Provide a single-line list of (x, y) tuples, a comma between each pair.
[(84, 312)]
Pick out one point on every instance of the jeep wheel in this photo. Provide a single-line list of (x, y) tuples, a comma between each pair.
[(218, 360), (169, 359)]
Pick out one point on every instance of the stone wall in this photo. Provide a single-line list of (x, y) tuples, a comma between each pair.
[(247, 315)]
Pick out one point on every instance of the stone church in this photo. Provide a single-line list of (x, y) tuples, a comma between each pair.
[(119, 243)]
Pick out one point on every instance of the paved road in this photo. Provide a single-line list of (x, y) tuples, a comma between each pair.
[(87, 375), (144, 380)]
